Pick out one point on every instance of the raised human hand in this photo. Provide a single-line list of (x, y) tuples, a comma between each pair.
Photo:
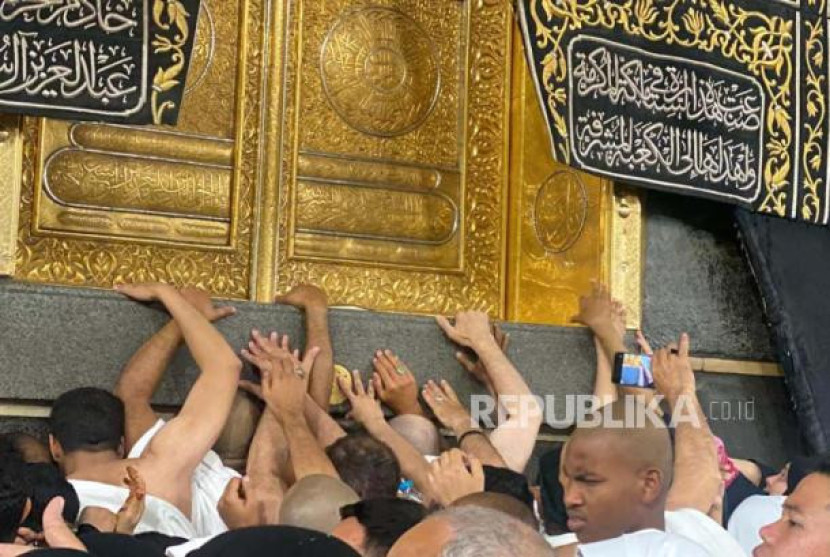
[(447, 408), (454, 475), (305, 297), (471, 329), (672, 368), (284, 377), (476, 367), (129, 516), (202, 301), (365, 407), (395, 385), (600, 312)]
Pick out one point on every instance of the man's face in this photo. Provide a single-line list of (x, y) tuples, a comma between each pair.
[(427, 539), (602, 492), (804, 527)]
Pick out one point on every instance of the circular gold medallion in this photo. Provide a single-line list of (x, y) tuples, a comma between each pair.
[(560, 211), (380, 71)]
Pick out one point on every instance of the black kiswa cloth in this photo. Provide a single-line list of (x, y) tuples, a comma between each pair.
[(275, 541), (791, 262)]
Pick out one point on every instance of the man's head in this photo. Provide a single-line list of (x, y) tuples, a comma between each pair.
[(366, 465), (314, 502), (86, 419), (804, 527), (616, 478), (30, 449), (471, 531), (419, 431), (372, 527), (502, 503)]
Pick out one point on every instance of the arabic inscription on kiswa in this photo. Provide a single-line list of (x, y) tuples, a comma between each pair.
[(674, 122)]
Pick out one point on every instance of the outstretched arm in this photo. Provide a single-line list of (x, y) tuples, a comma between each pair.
[(182, 443), (367, 411), (697, 479), (313, 302), (140, 379), (606, 319), (143, 373), (452, 414), (284, 387), (516, 436)]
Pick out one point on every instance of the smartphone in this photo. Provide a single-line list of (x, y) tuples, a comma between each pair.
[(633, 370)]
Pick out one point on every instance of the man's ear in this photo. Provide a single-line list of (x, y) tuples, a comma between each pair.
[(652, 482), (55, 449)]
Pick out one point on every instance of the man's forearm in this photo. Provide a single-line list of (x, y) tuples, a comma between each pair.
[(480, 446), (413, 464), (322, 425), (697, 476), (268, 455), (322, 374), (208, 347), (604, 387), (143, 373), (307, 456)]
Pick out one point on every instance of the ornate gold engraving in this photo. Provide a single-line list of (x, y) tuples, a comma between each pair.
[(379, 71), (470, 112), (354, 212), (98, 247), (10, 163), (560, 211), (114, 182)]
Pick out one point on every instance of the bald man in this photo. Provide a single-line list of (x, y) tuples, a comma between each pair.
[(315, 501), (616, 478), (502, 503), (470, 530), (420, 432)]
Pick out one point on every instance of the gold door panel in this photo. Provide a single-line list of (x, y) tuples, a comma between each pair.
[(104, 203), (394, 142), (367, 147)]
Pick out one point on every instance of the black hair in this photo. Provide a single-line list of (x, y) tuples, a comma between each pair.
[(45, 483), (385, 520), (88, 419), (13, 496), (366, 465), (508, 482)]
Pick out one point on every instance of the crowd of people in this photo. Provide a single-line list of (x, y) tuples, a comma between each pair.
[(408, 473)]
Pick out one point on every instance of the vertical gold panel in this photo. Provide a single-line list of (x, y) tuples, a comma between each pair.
[(103, 204), (559, 218), (567, 228), (393, 143), (10, 166), (627, 253)]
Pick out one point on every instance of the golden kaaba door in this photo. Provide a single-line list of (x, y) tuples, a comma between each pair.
[(391, 152)]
